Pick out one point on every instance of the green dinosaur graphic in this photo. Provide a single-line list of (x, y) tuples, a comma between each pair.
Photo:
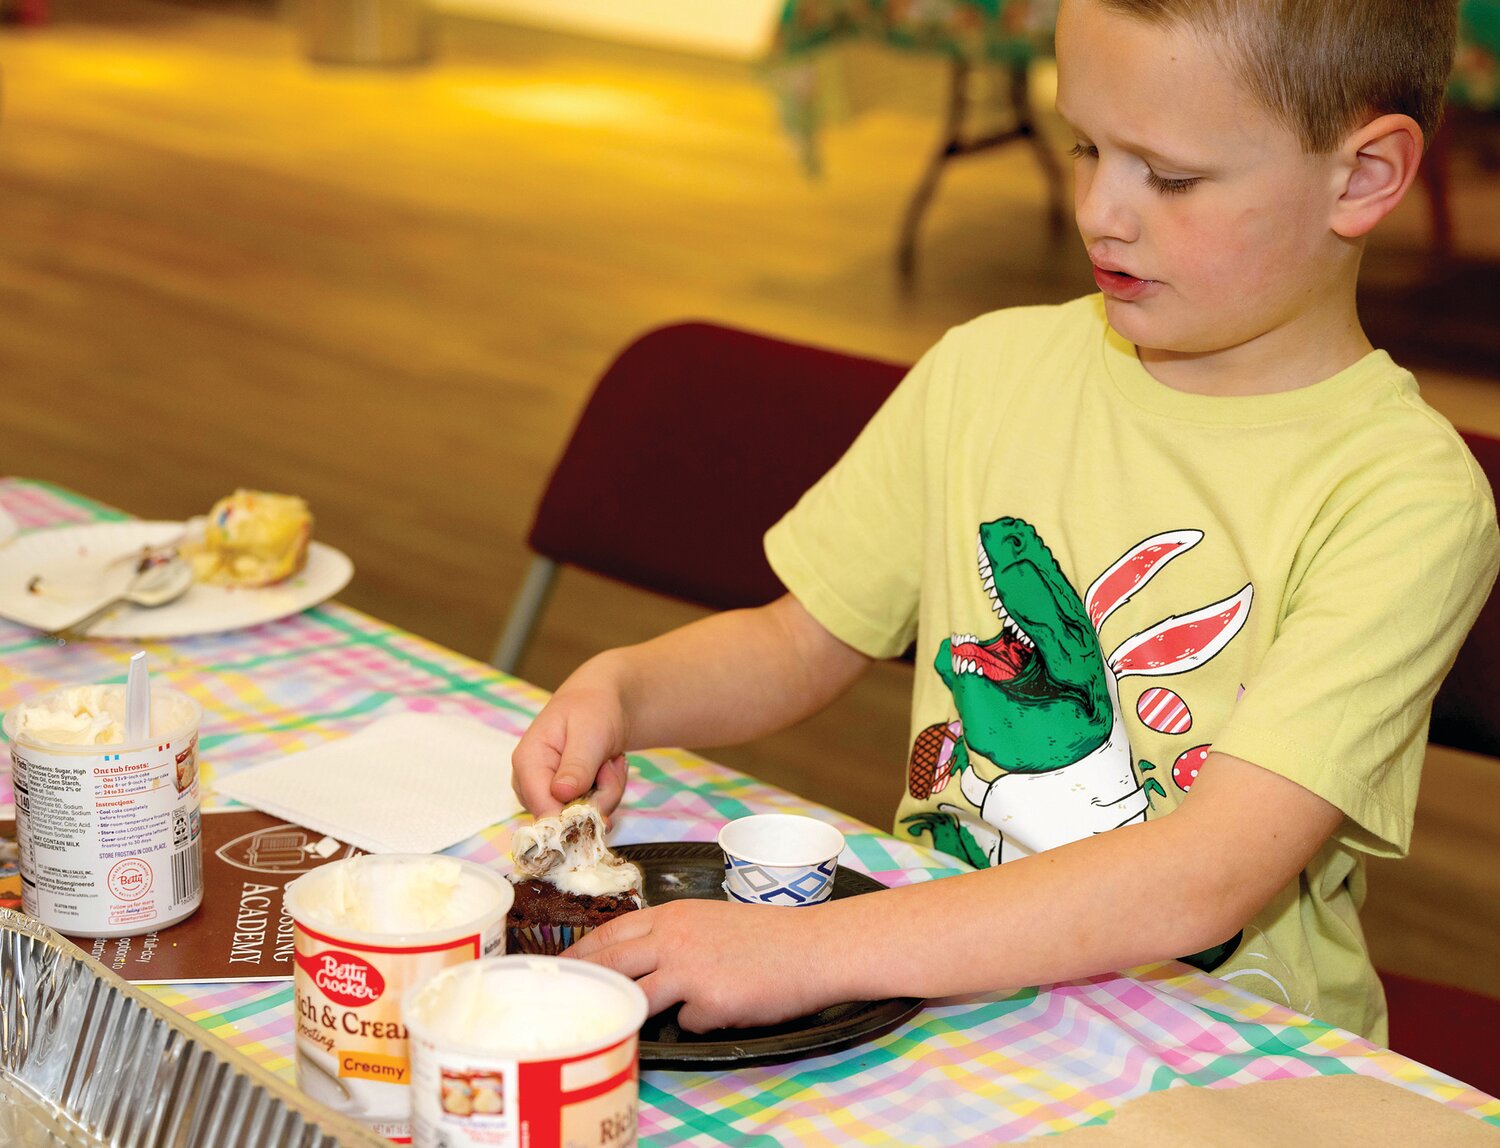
[(1035, 697), (1039, 701), (948, 836)]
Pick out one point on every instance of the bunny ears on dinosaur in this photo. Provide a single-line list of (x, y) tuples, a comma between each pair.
[(1178, 643)]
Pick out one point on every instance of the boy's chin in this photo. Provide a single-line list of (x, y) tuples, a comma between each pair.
[(1133, 323), (1153, 332)]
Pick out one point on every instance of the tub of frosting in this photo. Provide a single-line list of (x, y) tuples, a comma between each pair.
[(365, 931), (108, 828), (529, 1051)]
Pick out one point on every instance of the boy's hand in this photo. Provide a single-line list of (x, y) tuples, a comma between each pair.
[(576, 743), (727, 964), (722, 680)]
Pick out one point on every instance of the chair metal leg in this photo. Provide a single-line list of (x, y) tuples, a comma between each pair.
[(1057, 192), (954, 144), (950, 145), (536, 588)]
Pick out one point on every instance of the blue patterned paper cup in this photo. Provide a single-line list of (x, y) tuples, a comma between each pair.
[(779, 859)]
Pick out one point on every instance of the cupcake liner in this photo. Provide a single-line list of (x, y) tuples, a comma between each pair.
[(543, 940)]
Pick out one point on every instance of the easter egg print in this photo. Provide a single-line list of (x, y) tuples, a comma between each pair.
[(1185, 768), (1162, 710), (932, 759)]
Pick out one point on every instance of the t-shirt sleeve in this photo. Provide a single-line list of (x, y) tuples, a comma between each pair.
[(1342, 700), (850, 551)]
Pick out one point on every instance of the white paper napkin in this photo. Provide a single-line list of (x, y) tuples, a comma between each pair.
[(408, 783)]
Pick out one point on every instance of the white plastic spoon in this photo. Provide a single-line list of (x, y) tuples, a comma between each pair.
[(157, 581), (137, 700)]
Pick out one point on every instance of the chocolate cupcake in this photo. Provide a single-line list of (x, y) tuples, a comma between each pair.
[(567, 881)]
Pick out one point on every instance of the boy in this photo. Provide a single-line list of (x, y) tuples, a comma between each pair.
[(1194, 766)]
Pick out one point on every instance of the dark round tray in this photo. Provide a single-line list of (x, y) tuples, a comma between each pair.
[(678, 869)]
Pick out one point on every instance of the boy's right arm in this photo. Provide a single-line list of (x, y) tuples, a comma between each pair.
[(728, 678)]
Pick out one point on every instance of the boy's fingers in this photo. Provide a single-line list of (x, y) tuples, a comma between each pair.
[(536, 794), (626, 927), (626, 946), (533, 764), (695, 1018), (571, 781), (610, 784), (659, 992), (632, 958), (582, 754)]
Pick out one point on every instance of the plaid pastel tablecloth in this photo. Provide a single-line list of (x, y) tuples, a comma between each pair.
[(978, 1069)]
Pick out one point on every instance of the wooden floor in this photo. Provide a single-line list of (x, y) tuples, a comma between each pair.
[(390, 291)]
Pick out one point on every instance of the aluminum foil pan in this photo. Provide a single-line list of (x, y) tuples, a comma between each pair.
[(86, 1059)]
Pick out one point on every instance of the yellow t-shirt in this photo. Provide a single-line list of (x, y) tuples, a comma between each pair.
[(1105, 577)]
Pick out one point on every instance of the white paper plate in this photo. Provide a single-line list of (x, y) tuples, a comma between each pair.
[(81, 566), (8, 527)]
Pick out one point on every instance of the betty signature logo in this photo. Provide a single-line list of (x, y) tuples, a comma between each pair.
[(344, 978)]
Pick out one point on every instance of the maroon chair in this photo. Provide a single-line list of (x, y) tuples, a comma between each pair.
[(1449, 1028), (1466, 711), (1446, 1028), (696, 439)]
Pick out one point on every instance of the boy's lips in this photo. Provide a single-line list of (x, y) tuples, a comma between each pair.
[(1122, 285)]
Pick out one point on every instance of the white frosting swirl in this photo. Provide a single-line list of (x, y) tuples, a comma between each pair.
[(500, 1007), (396, 894), (94, 715), (568, 851)]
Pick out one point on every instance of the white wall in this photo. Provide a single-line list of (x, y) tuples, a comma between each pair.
[(736, 29)]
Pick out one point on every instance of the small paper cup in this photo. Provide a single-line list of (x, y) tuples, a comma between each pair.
[(779, 859)]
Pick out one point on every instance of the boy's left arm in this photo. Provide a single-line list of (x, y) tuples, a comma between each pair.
[(1137, 894)]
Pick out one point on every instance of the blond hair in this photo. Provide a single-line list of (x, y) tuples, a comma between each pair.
[(1325, 67)]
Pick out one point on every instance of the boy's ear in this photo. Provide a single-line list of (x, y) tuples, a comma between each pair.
[(1380, 161)]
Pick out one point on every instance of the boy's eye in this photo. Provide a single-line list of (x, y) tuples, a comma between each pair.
[(1168, 186), (1156, 182)]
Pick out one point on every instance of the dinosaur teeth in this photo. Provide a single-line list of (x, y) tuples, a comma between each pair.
[(987, 578), (963, 665), (1011, 627)]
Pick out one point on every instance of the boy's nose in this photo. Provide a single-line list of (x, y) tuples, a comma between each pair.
[(1102, 208)]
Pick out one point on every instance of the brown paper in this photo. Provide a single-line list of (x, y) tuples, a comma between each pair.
[(240, 932), (1324, 1111)]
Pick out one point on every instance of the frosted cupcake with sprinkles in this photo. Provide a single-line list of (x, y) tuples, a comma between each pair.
[(567, 881)]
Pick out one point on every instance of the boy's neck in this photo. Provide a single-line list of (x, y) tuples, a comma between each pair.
[(1313, 348)]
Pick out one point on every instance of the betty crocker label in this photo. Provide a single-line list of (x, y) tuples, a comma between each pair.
[(343, 977), (352, 1051)]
